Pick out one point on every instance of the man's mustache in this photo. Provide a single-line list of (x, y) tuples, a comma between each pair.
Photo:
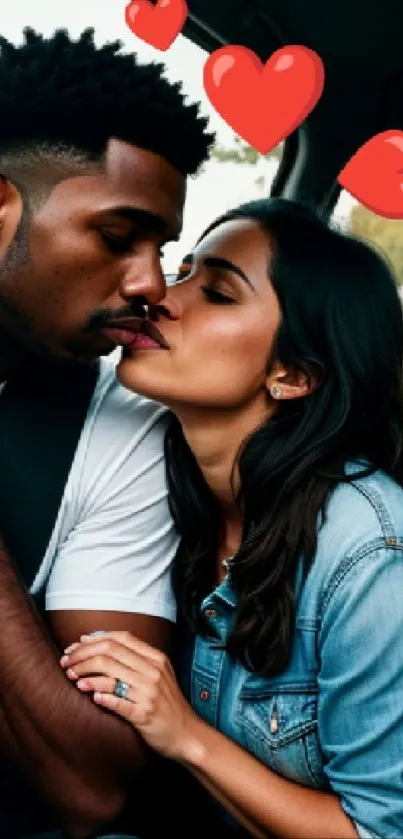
[(104, 317)]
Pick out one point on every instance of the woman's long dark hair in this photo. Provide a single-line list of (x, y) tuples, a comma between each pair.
[(342, 325)]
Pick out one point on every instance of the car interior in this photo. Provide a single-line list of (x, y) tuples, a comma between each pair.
[(360, 43)]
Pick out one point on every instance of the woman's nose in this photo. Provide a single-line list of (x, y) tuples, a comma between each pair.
[(179, 296), (167, 308)]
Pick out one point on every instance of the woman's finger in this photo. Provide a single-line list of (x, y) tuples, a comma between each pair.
[(123, 707), (104, 684), (105, 649), (130, 641), (103, 665)]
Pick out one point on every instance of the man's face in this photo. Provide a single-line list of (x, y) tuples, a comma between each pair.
[(92, 248)]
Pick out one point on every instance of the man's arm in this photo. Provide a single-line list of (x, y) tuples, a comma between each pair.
[(111, 570), (80, 758)]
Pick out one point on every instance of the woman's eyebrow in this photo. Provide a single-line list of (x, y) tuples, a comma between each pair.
[(220, 262)]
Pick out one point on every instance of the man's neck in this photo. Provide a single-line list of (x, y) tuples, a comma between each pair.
[(11, 356)]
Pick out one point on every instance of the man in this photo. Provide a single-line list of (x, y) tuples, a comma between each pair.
[(94, 155)]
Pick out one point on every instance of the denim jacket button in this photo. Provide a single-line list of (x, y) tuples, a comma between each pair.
[(274, 723), (204, 695), (210, 613)]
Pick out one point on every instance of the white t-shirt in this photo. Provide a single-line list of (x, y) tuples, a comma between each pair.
[(114, 541)]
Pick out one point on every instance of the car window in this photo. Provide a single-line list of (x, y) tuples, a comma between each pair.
[(385, 234)]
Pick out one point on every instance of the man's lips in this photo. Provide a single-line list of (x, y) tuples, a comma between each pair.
[(125, 330)]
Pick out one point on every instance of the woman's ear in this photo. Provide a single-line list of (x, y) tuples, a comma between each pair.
[(286, 384), (11, 206)]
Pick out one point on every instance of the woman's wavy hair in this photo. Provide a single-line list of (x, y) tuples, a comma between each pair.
[(341, 325)]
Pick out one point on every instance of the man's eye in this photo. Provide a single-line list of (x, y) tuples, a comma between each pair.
[(117, 244), (217, 297)]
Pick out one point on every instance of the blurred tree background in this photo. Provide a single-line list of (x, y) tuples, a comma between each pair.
[(242, 153), (386, 235)]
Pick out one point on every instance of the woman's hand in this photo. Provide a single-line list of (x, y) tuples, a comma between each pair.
[(155, 705)]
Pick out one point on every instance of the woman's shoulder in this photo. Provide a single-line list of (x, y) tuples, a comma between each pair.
[(370, 506), (362, 516)]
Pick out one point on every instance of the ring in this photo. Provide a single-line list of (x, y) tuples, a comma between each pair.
[(121, 689)]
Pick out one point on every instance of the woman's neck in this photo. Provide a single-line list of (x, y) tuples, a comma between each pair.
[(215, 439)]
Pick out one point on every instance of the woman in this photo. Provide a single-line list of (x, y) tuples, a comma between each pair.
[(281, 360)]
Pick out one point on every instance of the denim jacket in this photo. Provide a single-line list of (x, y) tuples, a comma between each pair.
[(333, 720)]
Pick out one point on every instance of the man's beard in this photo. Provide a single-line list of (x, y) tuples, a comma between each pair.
[(19, 342), (15, 329), (17, 337)]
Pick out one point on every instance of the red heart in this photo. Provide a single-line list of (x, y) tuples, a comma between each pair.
[(158, 24), (264, 103), (374, 175)]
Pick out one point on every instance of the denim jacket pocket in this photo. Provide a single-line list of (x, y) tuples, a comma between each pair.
[(279, 726)]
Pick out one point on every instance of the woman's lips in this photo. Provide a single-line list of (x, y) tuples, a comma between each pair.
[(143, 342), (121, 336), (136, 333)]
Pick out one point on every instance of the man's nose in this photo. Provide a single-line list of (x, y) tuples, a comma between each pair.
[(144, 278)]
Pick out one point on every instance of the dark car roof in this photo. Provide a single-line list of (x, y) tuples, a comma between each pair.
[(361, 45)]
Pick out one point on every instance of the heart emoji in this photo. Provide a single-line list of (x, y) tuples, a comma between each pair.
[(264, 103), (157, 24), (374, 175)]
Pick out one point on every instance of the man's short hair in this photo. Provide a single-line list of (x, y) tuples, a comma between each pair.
[(66, 95)]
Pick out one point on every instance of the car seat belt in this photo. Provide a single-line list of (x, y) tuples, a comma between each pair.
[(42, 412)]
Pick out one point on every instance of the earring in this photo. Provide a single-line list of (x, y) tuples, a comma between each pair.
[(276, 391)]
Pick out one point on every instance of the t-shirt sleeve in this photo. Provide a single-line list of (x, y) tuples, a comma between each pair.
[(118, 554)]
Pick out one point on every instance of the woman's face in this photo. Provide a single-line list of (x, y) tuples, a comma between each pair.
[(219, 320)]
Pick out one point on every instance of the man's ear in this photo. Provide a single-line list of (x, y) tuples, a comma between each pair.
[(285, 384), (11, 206)]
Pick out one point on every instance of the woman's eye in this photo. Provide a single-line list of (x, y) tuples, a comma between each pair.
[(217, 297)]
